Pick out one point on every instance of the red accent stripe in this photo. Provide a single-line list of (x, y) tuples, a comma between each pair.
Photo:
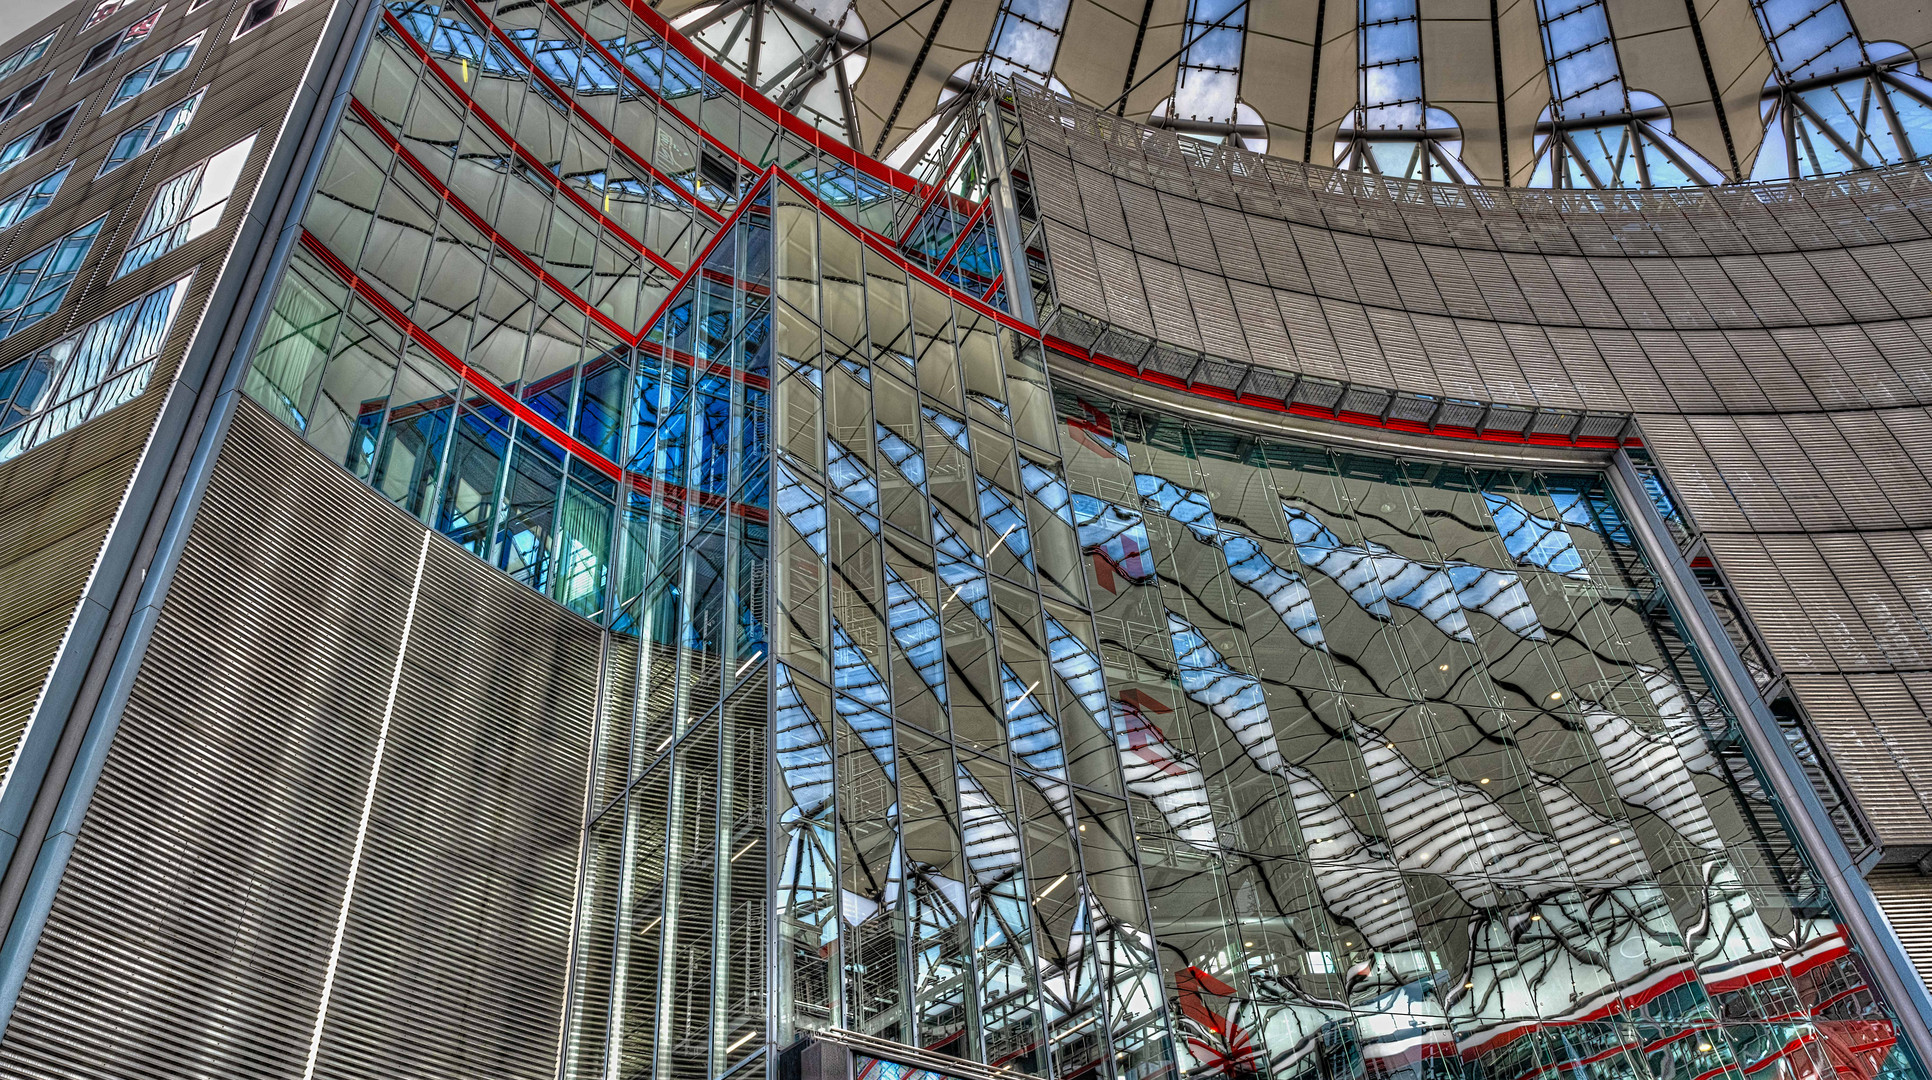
[(964, 231), (650, 91), (893, 255), (482, 384), (449, 82), (938, 189), (508, 401), (993, 288), (569, 99), (794, 126), (1296, 408), (476, 220), (697, 264)]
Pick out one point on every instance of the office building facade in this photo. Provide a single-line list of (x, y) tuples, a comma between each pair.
[(527, 548)]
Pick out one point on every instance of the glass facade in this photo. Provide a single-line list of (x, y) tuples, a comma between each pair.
[(1020, 727)]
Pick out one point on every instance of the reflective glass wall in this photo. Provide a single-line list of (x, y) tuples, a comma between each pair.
[(1032, 731), (1438, 787)]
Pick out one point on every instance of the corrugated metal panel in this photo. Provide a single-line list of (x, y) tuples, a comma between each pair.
[(191, 930), (1906, 896), (56, 504)]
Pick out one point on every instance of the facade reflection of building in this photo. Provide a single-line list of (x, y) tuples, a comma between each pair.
[(1399, 729), (1102, 741)]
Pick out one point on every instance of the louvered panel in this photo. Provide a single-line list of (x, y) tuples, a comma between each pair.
[(1076, 281), (1168, 301), (1764, 580), (1366, 273), (1497, 287), (1807, 291), (1672, 442), (1870, 441), (1187, 225), (1708, 285), (1126, 302), (1626, 289), (1585, 369), (1771, 372), (1234, 249), (1549, 383), (1876, 766), (1846, 478), (1860, 295), (1267, 338), (1890, 269), (1547, 296), (1214, 314), (457, 948), (1362, 359), (1055, 192), (1628, 356), (1814, 367), (1502, 379), (1280, 259), (1906, 897), (1416, 290), (1757, 286), (1905, 353), (1672, 293), (1838, 588), (1308, 330), (1328, 277), (217, 845), (1100, 202), (1892, 578), (1913, 430), (1781, 463), (1448, 357), (1461, 296), (1583, 292), (1145, 224), (1870, 380), (1749, 481), (1402, 348), (1711, 359)]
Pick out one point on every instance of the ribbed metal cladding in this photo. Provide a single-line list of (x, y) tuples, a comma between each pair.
[(216, 848), (193, 926), (1770, 343), (1906, 896), (55, 507), (457, 951)]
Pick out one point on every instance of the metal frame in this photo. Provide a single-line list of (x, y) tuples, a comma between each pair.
[(1803, 812)]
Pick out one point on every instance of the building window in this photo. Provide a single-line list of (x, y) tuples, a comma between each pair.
[(74, 380), (152, 132), (187, 206), (14, 103), (118, 44), (1834, 101), (1206, 103), (104, 11), (154, 71), (1597, 132), (35, 140), (31, 199), (32, 288), (26, 57), (1394, 130), (260, 12)]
